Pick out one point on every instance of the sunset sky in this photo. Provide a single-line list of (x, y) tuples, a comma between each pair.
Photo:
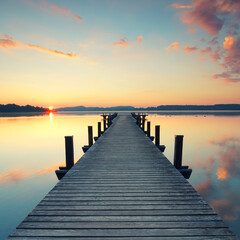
[(111, 52)]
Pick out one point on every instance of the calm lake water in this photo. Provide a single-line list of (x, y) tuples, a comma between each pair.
[(32, 147)]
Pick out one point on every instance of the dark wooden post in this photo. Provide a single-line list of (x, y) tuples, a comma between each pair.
[(99, 129), (139, 120), (157, 135), (178, 151), (148, 128), (69, 151), (104, 124), (90, 136), (143, 123)]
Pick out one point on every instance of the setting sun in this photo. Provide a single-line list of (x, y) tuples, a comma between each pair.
[(50, 109)]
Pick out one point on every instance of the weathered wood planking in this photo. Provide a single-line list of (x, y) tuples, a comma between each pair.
[(123, 188)]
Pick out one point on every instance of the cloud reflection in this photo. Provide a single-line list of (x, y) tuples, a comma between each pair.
[(18, 175), (221, 194)]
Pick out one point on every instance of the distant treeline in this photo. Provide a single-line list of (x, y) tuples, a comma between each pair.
[(216, 107), (17, 108)]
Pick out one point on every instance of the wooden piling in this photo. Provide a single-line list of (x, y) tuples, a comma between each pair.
[(99, 129), (148, 128), (104, 124), (178, 151), (69, 151), (90, 136), (143, 123), (157, 135)]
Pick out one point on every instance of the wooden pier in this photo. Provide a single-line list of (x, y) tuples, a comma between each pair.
[(123, 188)]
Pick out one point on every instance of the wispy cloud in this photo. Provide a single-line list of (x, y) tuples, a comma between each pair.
[(8, 42), (174, 46), (123, 42), (53, 9), (66, 12), (190, 49), (177, 5), (50, 50)]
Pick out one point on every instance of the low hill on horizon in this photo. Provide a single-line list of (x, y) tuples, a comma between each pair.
[(215, 107), (17, 108)]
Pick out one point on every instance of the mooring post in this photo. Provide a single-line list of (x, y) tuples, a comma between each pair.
[(69, 151), (104, 124), (143, 123), (148, 128), (90, 136), (99, 129), (178, 151), (139, 120), (157, 135)]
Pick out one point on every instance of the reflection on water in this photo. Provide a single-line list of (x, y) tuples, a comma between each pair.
[(33, 147), (212, 150)]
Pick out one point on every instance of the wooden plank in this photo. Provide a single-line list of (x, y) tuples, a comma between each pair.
[(65, 218), (116, 225), (133, 238), (130, 212), (75, 206), (122, 232)]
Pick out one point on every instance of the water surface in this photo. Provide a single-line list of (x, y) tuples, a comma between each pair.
[(32, 147)]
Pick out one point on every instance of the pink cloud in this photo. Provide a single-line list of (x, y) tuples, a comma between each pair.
[(205, 188), (214, 54), (226, 209), (50, 50), (231, 60), (211, 15), (66, 12), (228, 157), (174, 46), (139, 39), (205, 15), (228, 43), (123, 42), (176, 5), (222, 173), (190, 49), (10, 42), (7, 43), (229, 6), (53, 9)]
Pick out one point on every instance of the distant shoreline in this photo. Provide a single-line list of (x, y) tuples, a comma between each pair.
[(166, 113)]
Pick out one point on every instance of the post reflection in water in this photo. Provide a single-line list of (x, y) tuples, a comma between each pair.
[(33, 147)]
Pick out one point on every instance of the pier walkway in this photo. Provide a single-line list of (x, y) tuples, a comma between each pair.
[(123, 188)]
